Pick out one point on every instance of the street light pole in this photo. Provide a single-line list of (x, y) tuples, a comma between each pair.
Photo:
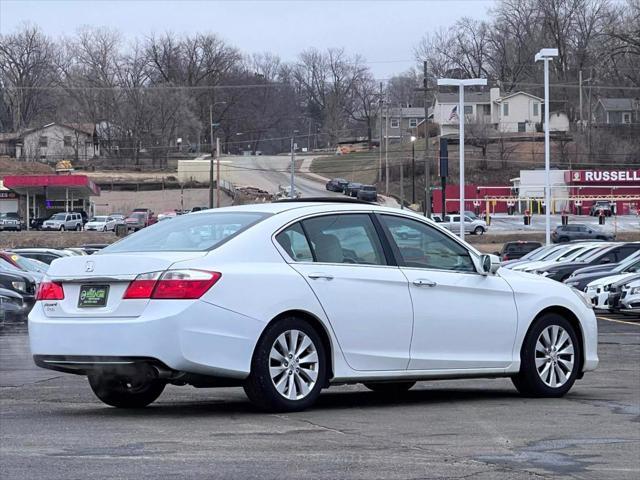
[(546, 54), (211, 162), (461, 84), (293, 164)]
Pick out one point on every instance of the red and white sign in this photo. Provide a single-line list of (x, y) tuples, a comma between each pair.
[(602, 176)]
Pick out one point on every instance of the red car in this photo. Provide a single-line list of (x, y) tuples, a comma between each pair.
[(139, 219)]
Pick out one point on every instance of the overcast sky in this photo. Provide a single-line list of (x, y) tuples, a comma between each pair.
[(384, 32)]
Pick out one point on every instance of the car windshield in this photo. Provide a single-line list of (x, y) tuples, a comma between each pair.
[(593, 254), (196, 233), (553, 254), (29, 264), (586, 253), (99, 219), (59, 216), (369, 188), (137, 215)]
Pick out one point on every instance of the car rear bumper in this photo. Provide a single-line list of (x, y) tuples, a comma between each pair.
[(186, 336)]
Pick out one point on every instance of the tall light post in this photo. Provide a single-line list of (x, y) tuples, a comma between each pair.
[(461, 84), (413, 170), (545, 55), (293, 164)]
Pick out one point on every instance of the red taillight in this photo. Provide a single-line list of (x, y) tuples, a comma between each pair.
[(142, 286), (50, 291), (172, 284)]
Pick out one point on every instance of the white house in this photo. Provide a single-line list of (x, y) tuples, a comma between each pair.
[(55, 142), (514, 112)]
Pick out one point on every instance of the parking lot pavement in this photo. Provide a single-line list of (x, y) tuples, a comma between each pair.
[(51, 426)]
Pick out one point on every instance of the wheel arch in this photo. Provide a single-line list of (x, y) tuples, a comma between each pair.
[(317, 324), (571, 317)]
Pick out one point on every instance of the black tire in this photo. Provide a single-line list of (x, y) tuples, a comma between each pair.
[(563, 240), (124, 392), (259, 386), (478, 231), (528, 381), (62, 229), (390, 388), (78, 227)]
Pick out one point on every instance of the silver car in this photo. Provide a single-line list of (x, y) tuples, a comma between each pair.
[(64, 221), (474, 226)]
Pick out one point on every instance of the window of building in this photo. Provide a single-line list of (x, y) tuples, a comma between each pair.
[(43, 141), (67, 140), (505, 109), (413, 122), (468, 109), (395, 123), (486, 109), (626, 117)]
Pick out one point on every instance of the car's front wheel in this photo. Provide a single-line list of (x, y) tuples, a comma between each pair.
[(549, 358), (478, 231), (390, 388), (289, 367), (125, 392)]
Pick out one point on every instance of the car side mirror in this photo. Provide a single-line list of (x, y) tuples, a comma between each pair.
[(490, 264)]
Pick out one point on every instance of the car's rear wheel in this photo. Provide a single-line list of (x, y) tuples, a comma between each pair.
[(62, 228), (78, 227), (563, 239), (390, 388), (126, 392), (289, 367), (549, 358)]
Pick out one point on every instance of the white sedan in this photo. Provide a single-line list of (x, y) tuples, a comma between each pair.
[(598, 290), (101, 224), (288, 298)]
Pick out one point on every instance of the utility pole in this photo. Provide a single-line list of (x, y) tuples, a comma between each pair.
[(413, 171), (401, 162), (427, 160), (217, 172), (380, 103), (580, 88), (293, 164), (211, 161), (386, 150)]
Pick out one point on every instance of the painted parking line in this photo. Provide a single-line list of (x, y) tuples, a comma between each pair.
[(637, 324)]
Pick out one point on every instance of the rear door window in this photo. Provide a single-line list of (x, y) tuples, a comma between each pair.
[(344, 238), (294, 242)]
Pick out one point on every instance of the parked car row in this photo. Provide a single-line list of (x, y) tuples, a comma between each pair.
[(22, 270), (358, 190), (607, 272)]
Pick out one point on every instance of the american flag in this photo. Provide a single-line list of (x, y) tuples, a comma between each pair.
[(454, 113)]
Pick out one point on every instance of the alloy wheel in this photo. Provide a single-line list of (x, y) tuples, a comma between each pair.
[(293, 364), (555, 356)]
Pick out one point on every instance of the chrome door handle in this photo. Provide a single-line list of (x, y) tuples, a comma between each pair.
[(424, 283), (316, 276)]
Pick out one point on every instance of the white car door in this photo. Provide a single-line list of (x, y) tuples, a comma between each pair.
[(366, 299), (462, 319)]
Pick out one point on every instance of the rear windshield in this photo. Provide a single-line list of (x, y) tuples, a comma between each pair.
[(187, 233)]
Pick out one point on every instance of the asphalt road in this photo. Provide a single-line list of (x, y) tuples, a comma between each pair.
[(268, 172), (53, 428)]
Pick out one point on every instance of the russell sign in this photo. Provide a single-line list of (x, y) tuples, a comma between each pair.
[(602, 176)]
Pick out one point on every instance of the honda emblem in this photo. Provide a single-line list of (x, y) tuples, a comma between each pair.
[(88, 267)]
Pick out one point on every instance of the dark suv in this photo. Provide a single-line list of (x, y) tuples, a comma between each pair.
[(518, 249), (368, 193), (337, 184), (578, 231)]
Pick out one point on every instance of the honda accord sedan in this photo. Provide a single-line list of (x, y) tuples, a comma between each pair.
[(288, 298)]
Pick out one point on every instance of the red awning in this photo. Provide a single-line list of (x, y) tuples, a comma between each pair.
[(79, 185)]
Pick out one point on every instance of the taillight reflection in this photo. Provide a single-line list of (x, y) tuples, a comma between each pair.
[(172, 284)]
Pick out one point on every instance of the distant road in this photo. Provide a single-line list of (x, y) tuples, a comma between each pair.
[(268, 172)]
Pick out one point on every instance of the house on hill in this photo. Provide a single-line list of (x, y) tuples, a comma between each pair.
[(57, 141), (617, 111)]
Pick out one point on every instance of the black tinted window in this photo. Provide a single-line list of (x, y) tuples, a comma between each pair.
[(422, 246), (348, 238)]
